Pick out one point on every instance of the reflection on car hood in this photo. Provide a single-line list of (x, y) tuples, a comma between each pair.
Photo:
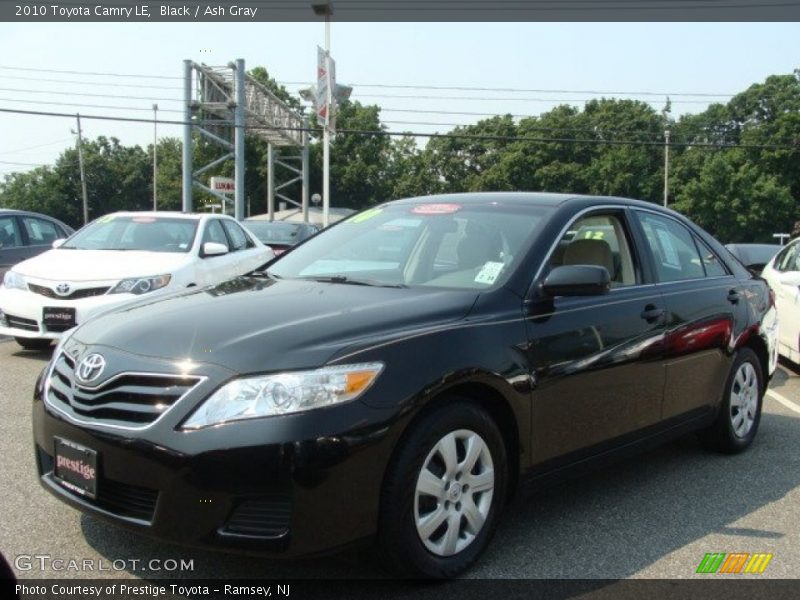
[(91, 265), (255, 325)]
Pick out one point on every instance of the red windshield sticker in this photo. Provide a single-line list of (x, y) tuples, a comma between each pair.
[(143, 219), (436, 209)]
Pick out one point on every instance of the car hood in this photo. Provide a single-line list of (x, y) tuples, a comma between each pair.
[(92, 265), (251, 325)]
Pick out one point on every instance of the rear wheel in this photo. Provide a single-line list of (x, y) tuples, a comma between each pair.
[(443, 493), (740, 413), (33, 343)]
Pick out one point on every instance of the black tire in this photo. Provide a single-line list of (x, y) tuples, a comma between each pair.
[(34, 343), (722, 436), (401, 546)]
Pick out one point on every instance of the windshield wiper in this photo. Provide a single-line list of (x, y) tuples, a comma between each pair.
[(265, 274), (355, 281)]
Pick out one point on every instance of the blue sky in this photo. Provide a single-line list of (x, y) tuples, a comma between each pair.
[(718, 58)]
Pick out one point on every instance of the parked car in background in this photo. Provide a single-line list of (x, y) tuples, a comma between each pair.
[(25, 234), (351, 392), (280, 235), (118, 258), (754, 256), (783, 275)]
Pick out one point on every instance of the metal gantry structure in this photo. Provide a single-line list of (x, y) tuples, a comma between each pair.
[(225, 104)]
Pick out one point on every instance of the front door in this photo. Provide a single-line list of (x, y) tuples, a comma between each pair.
[(597, 361)]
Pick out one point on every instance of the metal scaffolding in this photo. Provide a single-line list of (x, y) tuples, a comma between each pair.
[(224, 104)]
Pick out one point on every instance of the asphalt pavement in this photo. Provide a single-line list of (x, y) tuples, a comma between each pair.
[(652, 516)]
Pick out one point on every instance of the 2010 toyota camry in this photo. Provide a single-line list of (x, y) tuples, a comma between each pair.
[(398, 376)]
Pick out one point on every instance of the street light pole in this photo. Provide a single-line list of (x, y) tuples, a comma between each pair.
[(155, 156), (666, 166)]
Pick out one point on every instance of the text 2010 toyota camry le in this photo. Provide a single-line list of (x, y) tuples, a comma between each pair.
[(397, 376)]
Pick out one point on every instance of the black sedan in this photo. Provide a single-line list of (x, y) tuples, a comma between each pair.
[(280, 235), (754, 256), (23, 235), (398, 376)]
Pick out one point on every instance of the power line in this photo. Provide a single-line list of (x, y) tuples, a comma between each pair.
[(461, 88), (93, 73), (95, 83), (34, 147), (507, 99), (62, 93), (82, 105), (386, 133), (22, 164)]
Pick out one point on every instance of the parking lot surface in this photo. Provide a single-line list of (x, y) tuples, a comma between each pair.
[(652, 516)]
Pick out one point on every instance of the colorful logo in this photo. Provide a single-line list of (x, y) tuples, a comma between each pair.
[(736, 562)]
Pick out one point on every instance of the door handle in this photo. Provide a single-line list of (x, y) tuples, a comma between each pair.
[(733, 297), (652, 313)]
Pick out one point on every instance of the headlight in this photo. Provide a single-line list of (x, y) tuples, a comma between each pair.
[(14, 281), (141, 285), (284, 393)]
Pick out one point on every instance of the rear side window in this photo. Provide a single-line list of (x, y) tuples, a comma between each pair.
[(40, 232), (9, 235), (673, 249), (711, 262)]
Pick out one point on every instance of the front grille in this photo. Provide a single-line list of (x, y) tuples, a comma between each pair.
[(76, 295), (21, 323), (130, 399), (113, 496), (267, 516)]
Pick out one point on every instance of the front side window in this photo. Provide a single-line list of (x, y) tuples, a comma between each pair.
[(215, 233), (9, 235), (789, 258), (145, 232), (598, 240), (426, 245), (237, 236), (673, 248)]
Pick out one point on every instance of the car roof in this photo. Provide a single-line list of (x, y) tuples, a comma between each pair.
[(165, 214), (528, 199)]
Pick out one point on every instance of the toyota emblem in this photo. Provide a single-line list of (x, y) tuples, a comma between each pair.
[(90, 367), (63, 289)]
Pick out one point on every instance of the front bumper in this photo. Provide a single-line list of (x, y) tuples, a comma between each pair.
[(285, 486), (22, 311)]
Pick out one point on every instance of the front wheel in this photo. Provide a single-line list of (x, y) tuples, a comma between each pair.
[(33, 343), (443, 493), (740, 412)]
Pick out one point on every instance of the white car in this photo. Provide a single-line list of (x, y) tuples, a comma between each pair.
[(118, 258), (783, 275)]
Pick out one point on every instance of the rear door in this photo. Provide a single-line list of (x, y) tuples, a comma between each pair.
[(597, 361), (704, 314), (12, 243), (245, 255)]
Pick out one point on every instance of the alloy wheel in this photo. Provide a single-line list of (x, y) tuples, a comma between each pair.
[(744, 399)]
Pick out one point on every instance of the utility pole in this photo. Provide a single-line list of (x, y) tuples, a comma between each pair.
[(326, 135), (666, 166), (83, 172), (155, 156)]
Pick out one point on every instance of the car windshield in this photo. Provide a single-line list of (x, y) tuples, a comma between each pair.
[(146, 232), (279, 233), (408, 244)]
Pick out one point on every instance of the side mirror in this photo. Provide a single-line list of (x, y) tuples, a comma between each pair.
[(577, 280), (214, 249), (59, 242)]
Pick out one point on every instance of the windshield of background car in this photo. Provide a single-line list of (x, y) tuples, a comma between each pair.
[(154, 234), (278, 233), (436, 245)]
